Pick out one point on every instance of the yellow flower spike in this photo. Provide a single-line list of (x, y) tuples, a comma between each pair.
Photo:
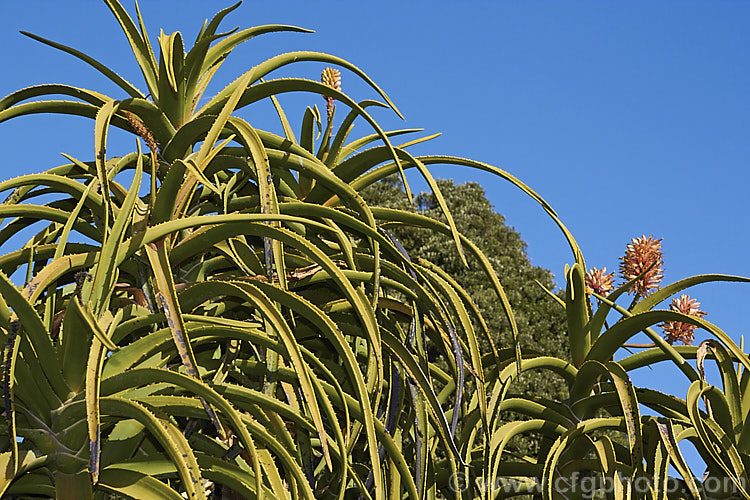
[(331, 77)]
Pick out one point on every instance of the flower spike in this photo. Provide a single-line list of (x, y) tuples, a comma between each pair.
[(331, 77), (643, 255), (599, 281), (678, 330)]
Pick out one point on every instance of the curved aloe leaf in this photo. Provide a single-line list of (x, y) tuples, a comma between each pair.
[(33, 328), (167, 434), (140, 45), (114, 77), (647, 303), (135, 484)]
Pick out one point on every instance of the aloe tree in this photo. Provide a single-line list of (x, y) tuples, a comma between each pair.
[(220, 313)]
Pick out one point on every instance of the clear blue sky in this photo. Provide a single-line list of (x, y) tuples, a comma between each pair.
[(630, 117)]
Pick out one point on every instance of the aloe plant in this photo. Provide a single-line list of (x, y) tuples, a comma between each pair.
[(611, 438), (220, 314)]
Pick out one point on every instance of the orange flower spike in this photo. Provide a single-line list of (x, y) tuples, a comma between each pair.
[(678, 330), (597, 280), (641, 254)]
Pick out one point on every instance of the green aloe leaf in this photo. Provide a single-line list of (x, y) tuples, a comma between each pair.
[(135, 484), (25, 457), (93, 418), (37, 212), (729, 382), (77, 333), (33, 328), (667, 437), (266, 89), (221, 120), (577, 308), (106, 271), (269, 203), (204, 392), (273, 314), (715, 441), (288, 132), (385, 170), (336, 153), (114, 77), (410, 365), (475, 358), (87, 320), (263, 69), (310, 119), (56, 107), (652, 300), (217, 53), (85, 95), (349, 169), (426, 222), (10, 357), (629, 404), (606, 345), (197, 54), (140, 46), (167, 297), (582, 430), (502, 436), (168, 436), (103, 117), (332, 332)]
